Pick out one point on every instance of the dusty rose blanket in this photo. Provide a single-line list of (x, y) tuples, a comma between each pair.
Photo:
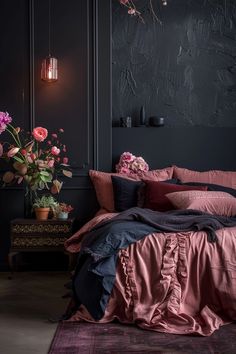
[(172, 282)]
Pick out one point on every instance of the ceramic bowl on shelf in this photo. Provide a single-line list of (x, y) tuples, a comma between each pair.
[(156, 121)]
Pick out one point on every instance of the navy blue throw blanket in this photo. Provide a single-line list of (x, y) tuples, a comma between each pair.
[(96, 266)]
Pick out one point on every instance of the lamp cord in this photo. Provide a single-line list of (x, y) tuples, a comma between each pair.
[(49, 27)]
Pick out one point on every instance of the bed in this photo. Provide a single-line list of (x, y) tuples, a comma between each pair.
[(179, 282)]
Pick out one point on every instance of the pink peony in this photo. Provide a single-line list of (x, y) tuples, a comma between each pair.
[(130, 164), (55, 151), (40, 134)]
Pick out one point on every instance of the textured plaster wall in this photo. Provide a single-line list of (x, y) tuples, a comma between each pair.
[(184, 69)]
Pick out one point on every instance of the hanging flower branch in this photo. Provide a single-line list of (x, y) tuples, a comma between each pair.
[(132, 10)]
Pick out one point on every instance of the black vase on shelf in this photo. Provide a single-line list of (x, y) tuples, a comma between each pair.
[(142, 119)]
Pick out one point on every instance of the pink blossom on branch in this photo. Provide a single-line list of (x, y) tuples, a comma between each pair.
[(132, 10), (55, 151), (12, 152), (65, 160), (5, 119)]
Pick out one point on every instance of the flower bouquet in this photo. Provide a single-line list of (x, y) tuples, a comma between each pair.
[(130, 164), (34, 159)]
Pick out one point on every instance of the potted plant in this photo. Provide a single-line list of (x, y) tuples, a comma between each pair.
[(43, 205), (62, 211)]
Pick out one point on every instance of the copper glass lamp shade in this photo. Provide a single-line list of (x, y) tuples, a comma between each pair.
[(49, 71)]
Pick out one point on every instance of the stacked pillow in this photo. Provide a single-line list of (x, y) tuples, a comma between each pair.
[(223, 178), (102, 183), (210, 191), (155, 194), (220, 198)]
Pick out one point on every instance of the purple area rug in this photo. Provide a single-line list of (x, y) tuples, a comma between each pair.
[(114, 338)]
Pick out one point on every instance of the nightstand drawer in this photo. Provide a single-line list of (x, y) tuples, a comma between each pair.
[(31, 235)]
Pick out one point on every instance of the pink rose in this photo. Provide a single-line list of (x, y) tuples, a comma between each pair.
[(55, 151), (61, 130), (54, 136), (40, 134)]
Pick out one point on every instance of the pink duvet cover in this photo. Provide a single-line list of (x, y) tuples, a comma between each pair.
[(172, 282)]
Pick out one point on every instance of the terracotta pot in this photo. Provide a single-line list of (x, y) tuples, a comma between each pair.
[(42, 213)]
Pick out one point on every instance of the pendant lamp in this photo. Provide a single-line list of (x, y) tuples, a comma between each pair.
[(49, 72)]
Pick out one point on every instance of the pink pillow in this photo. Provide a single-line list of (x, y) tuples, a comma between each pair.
[(216, 203), (223, 178), (157, 175), (104, 189), (155, 194)]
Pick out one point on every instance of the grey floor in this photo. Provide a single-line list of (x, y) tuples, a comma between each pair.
[(27, 301)]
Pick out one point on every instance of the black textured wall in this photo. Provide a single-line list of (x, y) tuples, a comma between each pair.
[(184, 69)]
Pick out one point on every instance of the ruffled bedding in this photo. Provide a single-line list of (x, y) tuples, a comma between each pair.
[(171, 282)]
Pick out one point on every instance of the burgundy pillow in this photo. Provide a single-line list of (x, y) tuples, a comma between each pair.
[(155, 194)]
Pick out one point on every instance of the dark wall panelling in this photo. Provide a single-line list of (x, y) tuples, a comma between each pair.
[(14, 98), (183, 69), (80, 102), (104, 84), (199, 148), (65, 103), (14, 60)]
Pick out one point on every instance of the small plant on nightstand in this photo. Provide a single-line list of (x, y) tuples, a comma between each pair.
[(62, 211), (43, 205)]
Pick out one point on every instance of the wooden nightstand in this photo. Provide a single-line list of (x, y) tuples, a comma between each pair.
[(31, 235)]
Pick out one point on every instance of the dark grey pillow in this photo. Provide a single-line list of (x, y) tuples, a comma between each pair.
[(212, 187), (125, 192)]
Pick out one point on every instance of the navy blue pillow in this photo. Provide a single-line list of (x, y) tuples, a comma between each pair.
[(128, 193), (125, 192)]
